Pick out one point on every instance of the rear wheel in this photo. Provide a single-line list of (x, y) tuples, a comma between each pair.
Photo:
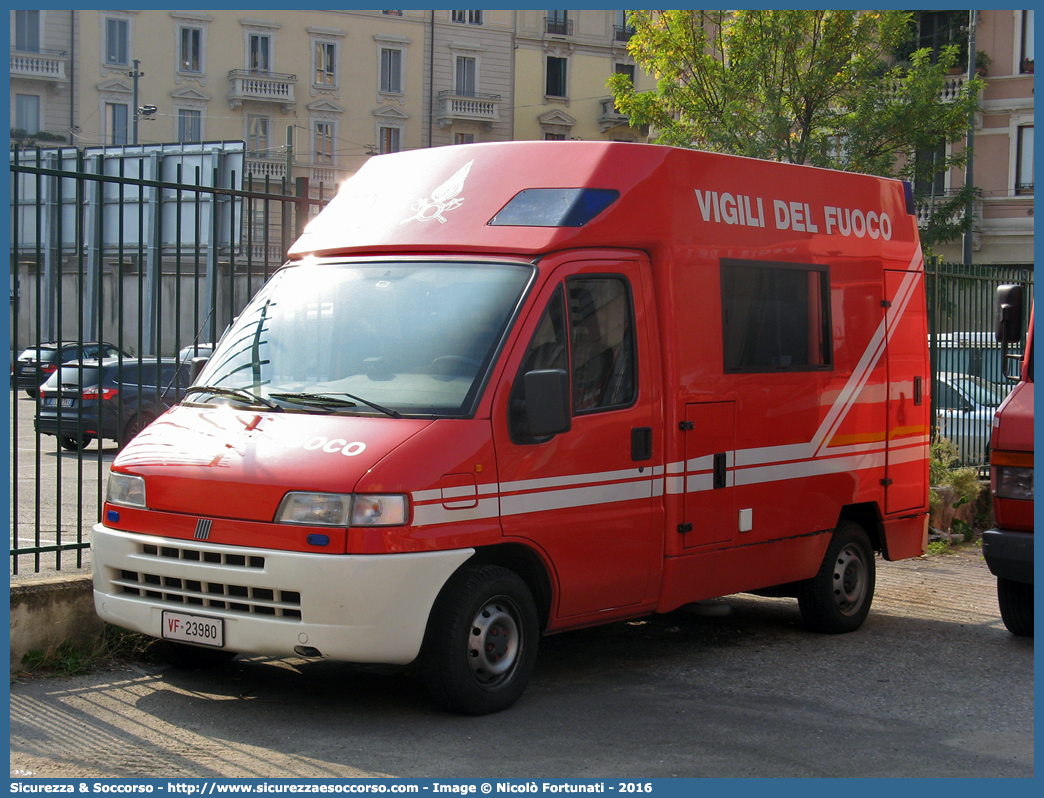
[(481, 643), (838, 598), (30, 392), (1016, 606), (180, 655), (73, 443)]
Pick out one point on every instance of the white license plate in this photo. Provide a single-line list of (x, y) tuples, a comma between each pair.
[(51, 402), (193, 629), (28, 369)]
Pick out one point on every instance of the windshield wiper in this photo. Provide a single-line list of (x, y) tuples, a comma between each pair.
[(328, 400), (234, 393)]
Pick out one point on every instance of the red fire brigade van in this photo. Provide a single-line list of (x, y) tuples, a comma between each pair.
[(505, 390), (1008, 548)]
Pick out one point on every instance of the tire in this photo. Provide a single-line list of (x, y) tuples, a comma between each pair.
[(481, 641), (186, 657), (1016, 606), (134, 426), (30, 392), (837, 599), (73, 444)]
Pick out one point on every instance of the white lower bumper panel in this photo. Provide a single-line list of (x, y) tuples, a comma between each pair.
[(354, 608)]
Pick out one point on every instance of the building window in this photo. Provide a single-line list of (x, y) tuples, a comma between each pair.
[(464, 138), (27, 113), (324, 139), (558, 22), (27, 31), (625, 69), (391, 70), (1027, 42), (622, 32), (775, 316), (257, 136), (190, 58), (325, 64), (469, 17), (465, 80), (556, 77), (117, 42), (1024, 179), (260, 53), (190, 126), (930, 179), (116, 116), (390, 140), (554, 137)]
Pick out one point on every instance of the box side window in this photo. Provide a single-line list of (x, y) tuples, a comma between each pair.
[(775, 316)]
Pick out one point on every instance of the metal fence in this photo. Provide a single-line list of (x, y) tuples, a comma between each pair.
[(150, 249), (969, 376), (157, 249)]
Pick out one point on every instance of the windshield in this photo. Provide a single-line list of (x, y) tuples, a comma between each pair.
[(979, 390), (387, 338)]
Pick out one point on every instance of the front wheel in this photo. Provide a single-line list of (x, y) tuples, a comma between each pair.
[(481, 642), (1016, 606), (838, 598)]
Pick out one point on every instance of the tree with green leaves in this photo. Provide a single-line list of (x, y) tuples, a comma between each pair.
[(818, 87)]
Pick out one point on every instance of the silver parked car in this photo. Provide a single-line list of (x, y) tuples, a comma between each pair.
[(965, 409)]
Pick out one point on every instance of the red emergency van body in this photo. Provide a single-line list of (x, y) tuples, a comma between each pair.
[(1008, 547), (502, 390)]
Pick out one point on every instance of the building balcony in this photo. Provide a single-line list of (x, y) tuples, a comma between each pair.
[(927, 207), (454, 107), (558, 27), (622, 33), (49, 65), (265, 87), (610, 117), (258, 166)]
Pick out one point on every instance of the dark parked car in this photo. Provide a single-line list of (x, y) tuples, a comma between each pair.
[(115, 398), (40, 361)]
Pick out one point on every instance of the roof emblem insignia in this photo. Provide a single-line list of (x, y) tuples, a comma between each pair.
[(442, 199)]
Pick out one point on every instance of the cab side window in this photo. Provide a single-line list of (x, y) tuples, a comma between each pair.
[(547, 350), (587, 330), (601, 325)]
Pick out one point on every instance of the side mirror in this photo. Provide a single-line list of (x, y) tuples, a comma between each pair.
[(1007, 314), (547, 402), (197, 366)]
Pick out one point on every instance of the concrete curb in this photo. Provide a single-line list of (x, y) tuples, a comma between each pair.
[(46, 612)]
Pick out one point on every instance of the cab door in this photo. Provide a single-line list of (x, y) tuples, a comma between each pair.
[(584, 497)]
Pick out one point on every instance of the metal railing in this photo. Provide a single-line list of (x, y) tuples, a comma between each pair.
[(149, 259), (969, 377)]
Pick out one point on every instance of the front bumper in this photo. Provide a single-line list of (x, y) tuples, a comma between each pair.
[(353, 608), (1009, 554)]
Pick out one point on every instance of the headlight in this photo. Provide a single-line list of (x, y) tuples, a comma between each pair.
[(314, 509), (125, 489), (1013, 482), (370, 510)]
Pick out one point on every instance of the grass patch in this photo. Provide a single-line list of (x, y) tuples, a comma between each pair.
[(112, 646)]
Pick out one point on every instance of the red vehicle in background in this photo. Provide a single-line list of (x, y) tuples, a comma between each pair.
[(1008, 548), (506, 390)]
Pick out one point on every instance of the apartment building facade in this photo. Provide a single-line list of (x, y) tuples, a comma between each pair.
[(350, 84), (1003, 144), (564, 59)]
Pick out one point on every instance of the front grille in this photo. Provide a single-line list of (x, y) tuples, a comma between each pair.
[(196, 555), (215, 595)]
